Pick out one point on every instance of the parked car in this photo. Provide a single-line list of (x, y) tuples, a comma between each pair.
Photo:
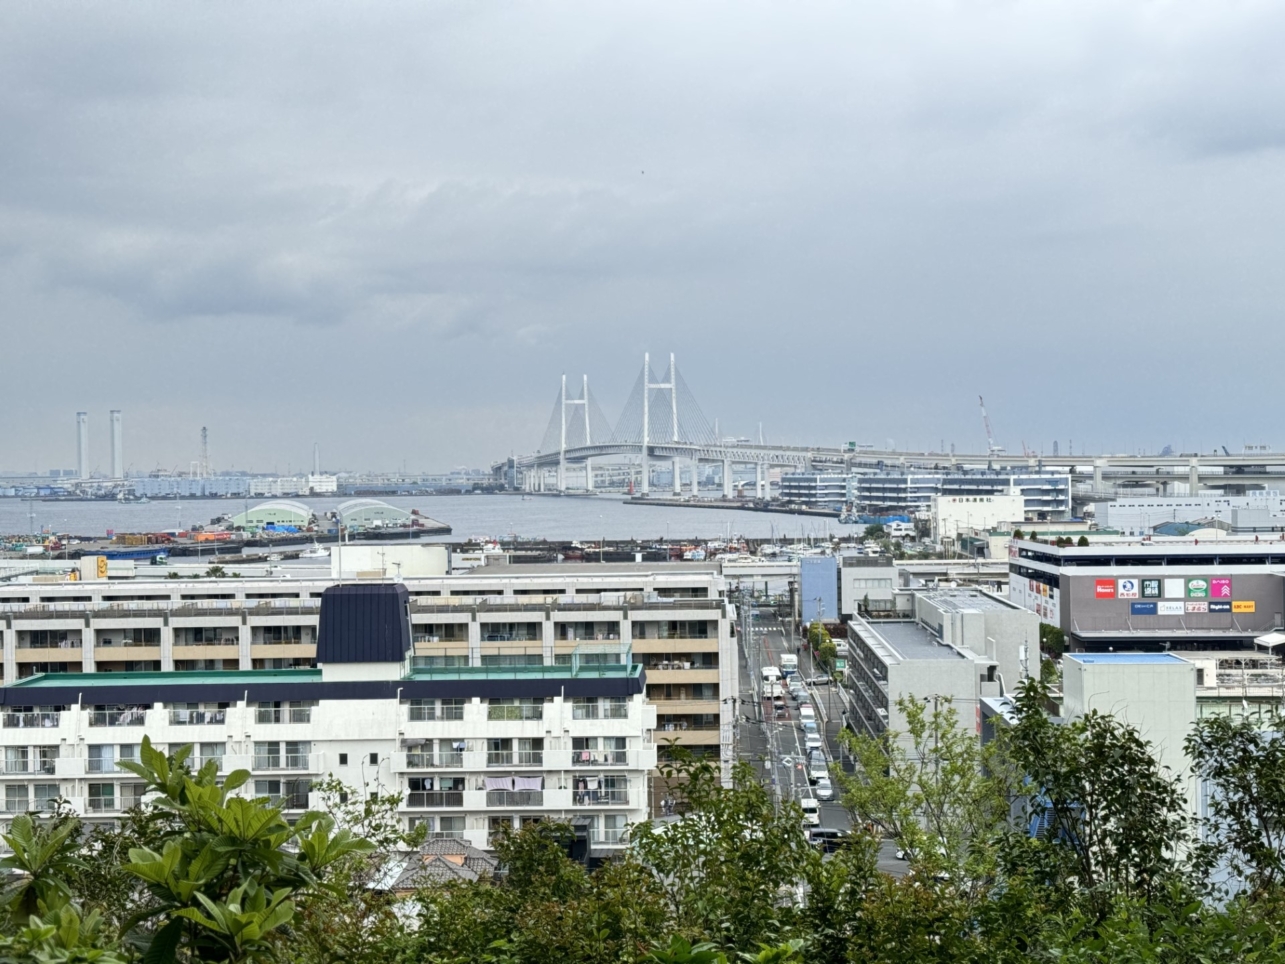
[(812, 741), (824, 789), (819, 681), (827, 839)]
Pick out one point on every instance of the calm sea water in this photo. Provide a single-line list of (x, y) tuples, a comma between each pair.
[(539, 517)]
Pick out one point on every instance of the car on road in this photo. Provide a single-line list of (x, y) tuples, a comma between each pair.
[(812, 741), (818, 766), (824, 789), (827, 839), (806, 711), (819, 681), (811, 811)]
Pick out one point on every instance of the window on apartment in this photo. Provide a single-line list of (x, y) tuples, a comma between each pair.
[(297, 754), (211, 753), (267, 756), (374, 759), (15, 798), (102, 796), (102, 759), (343, 759), (46, 756), (16, 759), (44, 796)]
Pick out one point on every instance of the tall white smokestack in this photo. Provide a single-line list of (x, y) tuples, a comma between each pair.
[(118, 450), (82, 444)]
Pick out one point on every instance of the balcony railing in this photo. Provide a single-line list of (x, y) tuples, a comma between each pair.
[(21, 720), (198, 717), (442, 761), (611, 838), (435, 798), (19, 805), (61, 644), (515, 798), (446, 835), (293, 714), (599, 758), (288, 801), (15, 766), (199, 762), (100, 766), (530, 758), (117, 717), (499, 758), (535, 712), (431, 714), (101, 804), (600, 798), (291, 761)]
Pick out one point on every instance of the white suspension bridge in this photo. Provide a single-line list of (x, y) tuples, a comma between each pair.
[(662, 422)]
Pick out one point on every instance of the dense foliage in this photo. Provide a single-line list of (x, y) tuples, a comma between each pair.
[(1052, 843)]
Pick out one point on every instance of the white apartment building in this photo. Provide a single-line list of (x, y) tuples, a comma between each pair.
[(564, 681), (963, 645)]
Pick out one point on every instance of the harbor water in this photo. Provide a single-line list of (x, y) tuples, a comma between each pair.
[(469, 516)]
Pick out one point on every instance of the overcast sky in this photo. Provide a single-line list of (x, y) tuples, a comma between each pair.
[(390, 227)]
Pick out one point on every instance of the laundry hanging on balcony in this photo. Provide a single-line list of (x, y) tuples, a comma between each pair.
[(499, 783)]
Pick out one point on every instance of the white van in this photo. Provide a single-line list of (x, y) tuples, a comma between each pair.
[(811, 811), (771, 682), (817, 767), (806, 712)]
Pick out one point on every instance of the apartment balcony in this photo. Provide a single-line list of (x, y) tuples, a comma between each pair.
[(601, 798), (131, 717), (428, 761), (600, 758), (499, 758), (682, 675), (117, 653), (63, 654), (432, 799), (20, 805), (515, 798), (97, 767), (692, 736), (31, 720), (198, 717), (515, 713), (683, 707), (305, 762), (284, 714), (609, 838), (101, 805), (677, 645), (431, 714)]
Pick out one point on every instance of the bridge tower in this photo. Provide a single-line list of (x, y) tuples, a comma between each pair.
[(648, 386), (562, 442)]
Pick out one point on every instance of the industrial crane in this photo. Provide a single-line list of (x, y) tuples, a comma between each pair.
[(992, 449)]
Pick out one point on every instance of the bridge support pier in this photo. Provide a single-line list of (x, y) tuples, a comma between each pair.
[(1193, 476), (1098, 466), (588, 474), (727, 478), (645, 481), (696, 471), (758, 480), (678, 476)]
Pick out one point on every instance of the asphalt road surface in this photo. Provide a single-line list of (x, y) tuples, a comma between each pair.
[(776, 746)]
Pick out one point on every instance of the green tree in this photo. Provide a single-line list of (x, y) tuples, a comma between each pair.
[(932, 790), (1113, 820), (875, 532), (725, 867), (1245, 764), (1083, 541), (1052, 640), (225, 877)]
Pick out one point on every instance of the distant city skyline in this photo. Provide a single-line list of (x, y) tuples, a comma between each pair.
[(390, 231)]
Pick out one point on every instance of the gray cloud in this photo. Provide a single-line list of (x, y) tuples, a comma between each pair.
[(391, 229)]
